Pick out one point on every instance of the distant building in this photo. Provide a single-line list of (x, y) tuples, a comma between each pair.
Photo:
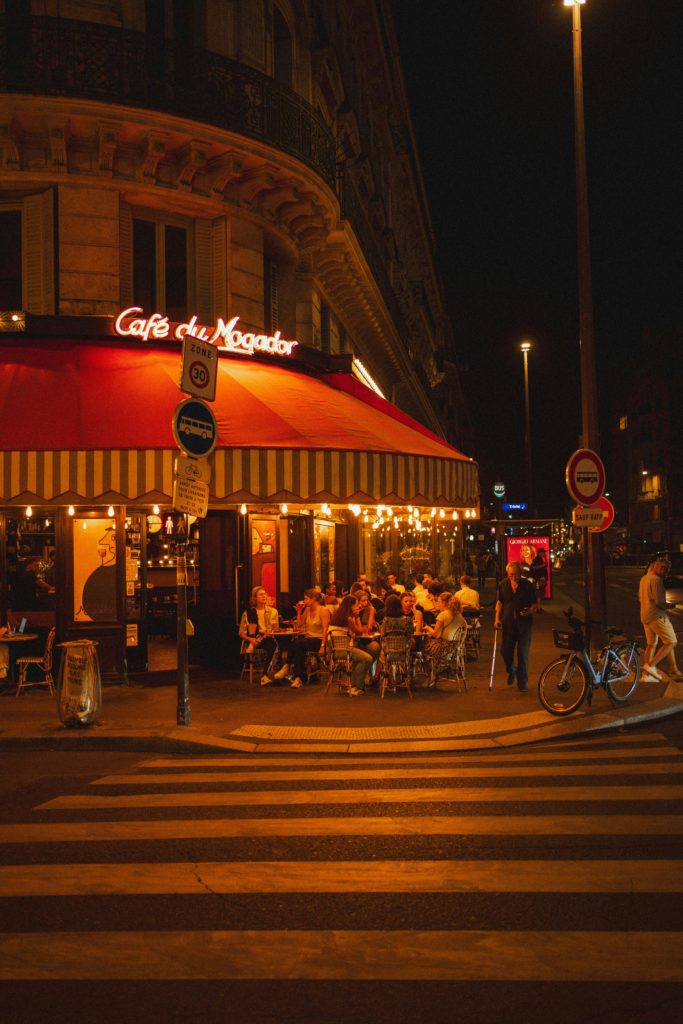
[(644, 458)]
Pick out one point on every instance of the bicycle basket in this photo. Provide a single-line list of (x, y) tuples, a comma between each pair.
[(568, 640)]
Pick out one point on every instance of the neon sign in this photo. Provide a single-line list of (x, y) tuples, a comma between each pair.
[(224, 335)]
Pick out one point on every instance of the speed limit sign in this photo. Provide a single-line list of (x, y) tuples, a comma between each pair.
[(199, 369)]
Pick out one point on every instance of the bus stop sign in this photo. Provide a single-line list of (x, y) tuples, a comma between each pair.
[(194, 428), (585, 477)]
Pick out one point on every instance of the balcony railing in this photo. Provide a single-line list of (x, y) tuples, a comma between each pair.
[(59, 57)]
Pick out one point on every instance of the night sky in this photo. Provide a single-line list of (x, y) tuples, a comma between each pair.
[(490, 87)]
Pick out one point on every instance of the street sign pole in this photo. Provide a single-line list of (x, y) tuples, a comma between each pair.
[(183, 714)]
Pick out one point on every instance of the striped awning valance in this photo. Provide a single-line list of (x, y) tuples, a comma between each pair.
[(238, 474)]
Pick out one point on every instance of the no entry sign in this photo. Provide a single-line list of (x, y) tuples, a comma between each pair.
[(585, 477)]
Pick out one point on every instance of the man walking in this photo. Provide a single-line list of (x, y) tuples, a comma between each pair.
[(657, 624), (514, 610)]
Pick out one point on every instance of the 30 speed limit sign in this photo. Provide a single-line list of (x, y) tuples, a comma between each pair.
[(199, 369)]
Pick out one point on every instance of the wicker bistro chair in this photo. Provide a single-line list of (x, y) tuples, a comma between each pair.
[(42, 662), (447, 655), (254, 659), (394, 660), (339, 648), (472, 639)]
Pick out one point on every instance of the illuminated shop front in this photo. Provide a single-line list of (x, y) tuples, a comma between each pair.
[(315, 477)]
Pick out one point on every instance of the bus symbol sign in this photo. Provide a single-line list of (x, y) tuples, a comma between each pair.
[(194, 428), (585, 477)]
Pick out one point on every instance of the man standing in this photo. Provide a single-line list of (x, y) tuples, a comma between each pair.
[(514, 609), (657, 623)]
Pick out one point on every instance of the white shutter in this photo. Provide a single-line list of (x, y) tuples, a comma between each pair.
[(203, 271), (125, 255), (38, 244), (219, 238)]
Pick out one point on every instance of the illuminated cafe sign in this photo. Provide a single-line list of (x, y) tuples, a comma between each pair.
[(224, 335)]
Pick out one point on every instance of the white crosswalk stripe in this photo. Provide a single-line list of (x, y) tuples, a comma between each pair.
[(552, 823)]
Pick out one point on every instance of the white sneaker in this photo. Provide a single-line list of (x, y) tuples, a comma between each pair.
[(652, 673), (281, 672), (296, 683), (266, 680)]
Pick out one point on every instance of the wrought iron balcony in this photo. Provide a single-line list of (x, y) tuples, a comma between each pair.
[(83, 60)]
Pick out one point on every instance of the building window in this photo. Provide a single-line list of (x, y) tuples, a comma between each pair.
[(160, 268), (623, 422), (10, 260), (324, 327), (270, 289), (282, 48)]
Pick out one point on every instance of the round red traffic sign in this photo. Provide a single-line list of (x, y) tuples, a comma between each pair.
[(608, 514), (199, 375), (585, 476)]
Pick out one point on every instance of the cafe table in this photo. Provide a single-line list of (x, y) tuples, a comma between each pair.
[(11, 639)]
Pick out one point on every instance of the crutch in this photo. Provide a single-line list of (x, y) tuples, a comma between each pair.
[(493, 659)]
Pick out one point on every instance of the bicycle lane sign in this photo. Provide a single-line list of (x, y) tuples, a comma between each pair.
[(194, 428)]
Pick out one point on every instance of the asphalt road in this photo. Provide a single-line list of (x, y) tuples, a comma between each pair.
[(621, 584), (537, 884)]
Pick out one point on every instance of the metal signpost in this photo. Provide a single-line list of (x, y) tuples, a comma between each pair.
[(196, 433), (585, 479)]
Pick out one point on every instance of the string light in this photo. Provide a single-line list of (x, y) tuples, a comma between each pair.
[(110, 511), (71, 510), (29, 511), (243, 509), (284, 508), (155, 510)]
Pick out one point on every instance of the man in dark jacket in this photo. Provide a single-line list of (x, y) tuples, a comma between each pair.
[(514, 613)]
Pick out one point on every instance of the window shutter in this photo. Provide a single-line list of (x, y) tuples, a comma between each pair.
[(125, 255), (203, 270), (219, 238), (274, 298), (38, 238)]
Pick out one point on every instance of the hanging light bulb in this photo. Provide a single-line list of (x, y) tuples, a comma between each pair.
[(243, 509), (433, 513), (455, 514), (155, 510), (71, 510), (29, 511), (110, 511), (284, 508)]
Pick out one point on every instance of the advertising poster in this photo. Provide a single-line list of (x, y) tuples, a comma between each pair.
[(533, 553), (94, 570)]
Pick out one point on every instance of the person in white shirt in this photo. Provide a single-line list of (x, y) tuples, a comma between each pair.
[(657, 624), (257, 625), (393, 583), (467, 595), (422, 595)]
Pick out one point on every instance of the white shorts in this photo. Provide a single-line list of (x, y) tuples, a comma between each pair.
[(660, 629)]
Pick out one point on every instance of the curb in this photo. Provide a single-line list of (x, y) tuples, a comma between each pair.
[(518, 730)]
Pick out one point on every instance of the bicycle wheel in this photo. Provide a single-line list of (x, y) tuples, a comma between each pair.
[(563, 685), (623, 679)]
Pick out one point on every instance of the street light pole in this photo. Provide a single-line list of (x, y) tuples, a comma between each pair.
[(595, 583), (525, 347)]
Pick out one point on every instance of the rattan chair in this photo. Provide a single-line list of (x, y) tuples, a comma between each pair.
[(254, 659), (447, 655), (42, 662), (339, 647), (394, 659)]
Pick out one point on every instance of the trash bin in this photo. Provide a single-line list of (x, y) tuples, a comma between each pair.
[(79, 689)]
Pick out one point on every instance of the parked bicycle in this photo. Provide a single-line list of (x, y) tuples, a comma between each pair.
[(570, 679)]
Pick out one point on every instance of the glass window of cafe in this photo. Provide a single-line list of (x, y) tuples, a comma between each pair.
[(30, 562)]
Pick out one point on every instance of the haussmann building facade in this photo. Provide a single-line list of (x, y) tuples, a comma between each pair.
[(245, 172)]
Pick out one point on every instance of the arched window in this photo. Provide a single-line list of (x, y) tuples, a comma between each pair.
[(282, 48)]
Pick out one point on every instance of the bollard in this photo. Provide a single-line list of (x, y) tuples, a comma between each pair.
[(79, 689)]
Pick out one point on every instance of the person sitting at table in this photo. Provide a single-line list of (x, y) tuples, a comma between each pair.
[(344, 620), (450, 618), (258, 623), (410, 609), (366, 610), (468, 597), (331, 597), (312, 623), (394, 620), (423, 599), (4, 654)]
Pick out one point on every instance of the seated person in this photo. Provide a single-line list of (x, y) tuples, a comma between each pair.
[(258, 621), (420, 590), (468, 597), (331, 597), (394, 620), (344, 620), (450, 618), (4, 654), (393, 584), (366, 611), (409, 609), (312, 623)]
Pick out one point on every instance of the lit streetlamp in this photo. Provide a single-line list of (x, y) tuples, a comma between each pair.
[(595, 581), (525, 347)]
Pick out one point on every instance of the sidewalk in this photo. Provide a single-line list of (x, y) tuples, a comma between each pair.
[(228, 715)]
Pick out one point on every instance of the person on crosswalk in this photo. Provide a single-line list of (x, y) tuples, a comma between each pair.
[(657, 624)]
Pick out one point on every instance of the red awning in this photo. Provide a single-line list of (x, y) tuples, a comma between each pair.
[(64, 396)]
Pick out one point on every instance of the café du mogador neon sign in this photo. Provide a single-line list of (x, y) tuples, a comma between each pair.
[(224, 335)]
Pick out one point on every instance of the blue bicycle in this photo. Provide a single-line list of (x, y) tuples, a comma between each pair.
[(570, 679)]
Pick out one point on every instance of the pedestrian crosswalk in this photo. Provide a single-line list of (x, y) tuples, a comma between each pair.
[(502, 867)]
